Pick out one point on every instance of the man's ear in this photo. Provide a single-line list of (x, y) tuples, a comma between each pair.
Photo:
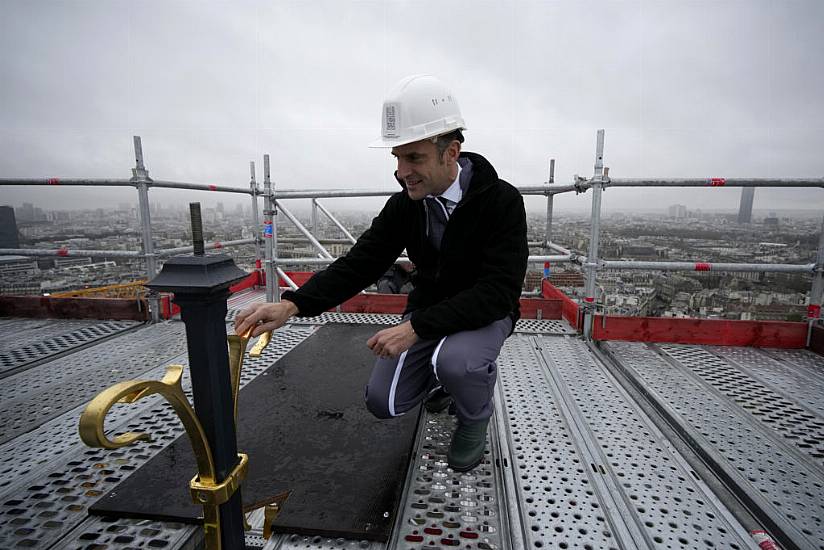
[(454, 150)]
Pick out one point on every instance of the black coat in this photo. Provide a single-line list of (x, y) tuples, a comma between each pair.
[(474, 280)]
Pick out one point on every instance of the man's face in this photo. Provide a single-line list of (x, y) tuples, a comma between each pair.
[(423, 170)]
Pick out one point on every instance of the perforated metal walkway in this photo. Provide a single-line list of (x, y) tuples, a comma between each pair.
[(577, 457)]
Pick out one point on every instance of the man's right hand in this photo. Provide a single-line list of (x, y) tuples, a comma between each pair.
[(260, 318)]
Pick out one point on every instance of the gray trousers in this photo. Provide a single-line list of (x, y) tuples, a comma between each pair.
[(463, 363)]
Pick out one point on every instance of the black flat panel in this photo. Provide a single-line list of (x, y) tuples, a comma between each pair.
[(306, 430)]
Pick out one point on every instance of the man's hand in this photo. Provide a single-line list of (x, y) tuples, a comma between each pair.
[(391, 342), (260, 318)]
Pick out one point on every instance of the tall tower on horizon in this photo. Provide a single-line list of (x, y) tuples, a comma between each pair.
[(8, 228), (745, 208)]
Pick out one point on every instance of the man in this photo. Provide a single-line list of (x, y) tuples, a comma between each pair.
[(465, 231)]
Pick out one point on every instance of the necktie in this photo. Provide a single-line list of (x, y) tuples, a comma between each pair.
[(445, 202), (438, 215)]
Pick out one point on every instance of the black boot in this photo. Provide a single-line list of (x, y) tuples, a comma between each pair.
[(438, 401), (467, 448)]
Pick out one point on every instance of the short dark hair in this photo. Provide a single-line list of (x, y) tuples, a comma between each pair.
[(443, 141)]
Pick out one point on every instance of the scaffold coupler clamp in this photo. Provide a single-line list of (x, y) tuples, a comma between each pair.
[(580, 183)]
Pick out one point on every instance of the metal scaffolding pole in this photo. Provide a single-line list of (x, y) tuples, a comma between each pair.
[(302, 229), (315, 217), (592, 263), (549, 201), (255, 218), (322, 194), (269, 235), (282, 274), (140, 177), (335, 221), (42, 252), (582, 184), (404, 259), (199, 187), (208, 246), (817, 290), (617, 265)]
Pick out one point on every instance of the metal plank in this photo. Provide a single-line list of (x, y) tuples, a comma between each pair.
[(113, 533), (29, 398), (443, 508), (559, 508), (782, 378), (18, 357), (655, 491), (761, 389), (22, 331), (784, 494), (805, 360)]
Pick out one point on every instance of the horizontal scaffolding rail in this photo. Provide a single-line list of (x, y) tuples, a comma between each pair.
[(705, 266), (66, 252), (583, 184), (207, 246)]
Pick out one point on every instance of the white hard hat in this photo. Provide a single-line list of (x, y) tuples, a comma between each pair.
[(418, 107)]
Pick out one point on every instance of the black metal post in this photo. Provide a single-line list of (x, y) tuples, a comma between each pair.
[(201, 287)]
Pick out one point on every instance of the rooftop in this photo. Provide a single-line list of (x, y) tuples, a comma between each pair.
[(620, 444)]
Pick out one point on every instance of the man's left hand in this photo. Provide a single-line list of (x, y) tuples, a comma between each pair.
[(391, 342)]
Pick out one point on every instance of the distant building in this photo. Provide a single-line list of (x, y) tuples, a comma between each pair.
[(778, 312), (8, 228), (771, 220), (532, 281), (745, 208), (17, 266), (639, 251), (678, 211), (567, 278), (60, 263)]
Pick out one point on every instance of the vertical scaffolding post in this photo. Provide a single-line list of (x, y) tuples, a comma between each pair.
[(315, 227), (270, 235), (817, 291), (549, 200), (592, 259), (140, 176), (255, 218)]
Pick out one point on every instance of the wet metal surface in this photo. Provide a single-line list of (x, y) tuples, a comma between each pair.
[(572, 461)]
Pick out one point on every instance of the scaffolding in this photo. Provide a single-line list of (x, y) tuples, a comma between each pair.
[(265, 238)]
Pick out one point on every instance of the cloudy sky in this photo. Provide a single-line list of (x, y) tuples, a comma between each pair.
[(683, 89)]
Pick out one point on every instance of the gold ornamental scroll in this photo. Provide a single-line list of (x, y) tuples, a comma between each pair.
[(205, 489), (261, 344), (237, 349)]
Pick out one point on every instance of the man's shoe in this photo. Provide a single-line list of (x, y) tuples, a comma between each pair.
[(467, 448), (438, 401)]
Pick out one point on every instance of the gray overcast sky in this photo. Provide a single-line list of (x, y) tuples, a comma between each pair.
[(683, 88)]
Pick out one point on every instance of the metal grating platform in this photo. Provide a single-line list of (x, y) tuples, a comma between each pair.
[(29, 398), (18, 354), (782, 483), (614, 481), (789, 404), (572, 461)]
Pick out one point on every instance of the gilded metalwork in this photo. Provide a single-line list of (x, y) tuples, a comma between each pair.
[(271, 509), (93, 418), (237, 349), (215, 494), (205, 489), (261, 344)]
